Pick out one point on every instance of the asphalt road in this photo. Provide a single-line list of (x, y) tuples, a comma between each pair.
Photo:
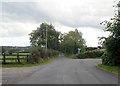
[(68, 71)]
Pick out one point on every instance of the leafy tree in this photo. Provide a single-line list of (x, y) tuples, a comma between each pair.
[(112, 43), (72, 41), (38, 37)]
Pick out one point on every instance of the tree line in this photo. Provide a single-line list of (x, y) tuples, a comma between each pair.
[(45, 36)]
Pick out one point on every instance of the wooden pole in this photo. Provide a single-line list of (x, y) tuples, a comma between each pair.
[(46, 44), (4, 61), (18, 58), (27, 58)]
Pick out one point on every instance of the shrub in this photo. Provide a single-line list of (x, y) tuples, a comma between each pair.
[(91, 54), (39, 53), (35, 56), (73, 56), (52, 52)]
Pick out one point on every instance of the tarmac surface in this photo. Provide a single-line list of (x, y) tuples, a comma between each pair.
[(61, 71)]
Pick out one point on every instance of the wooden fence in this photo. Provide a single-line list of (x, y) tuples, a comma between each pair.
[(18, 59)]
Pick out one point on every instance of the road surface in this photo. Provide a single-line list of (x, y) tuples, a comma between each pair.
[(64, 71)]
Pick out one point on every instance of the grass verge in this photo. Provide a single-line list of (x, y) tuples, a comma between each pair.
[(112, 69), (27, 64), (73, 56)]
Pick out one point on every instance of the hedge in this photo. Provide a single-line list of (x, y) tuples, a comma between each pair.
[(91, 54)]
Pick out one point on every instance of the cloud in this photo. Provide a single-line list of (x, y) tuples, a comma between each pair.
[(20, 17), (15, 41), (73, 13), (91, 35), (16, 29), (22, 12)]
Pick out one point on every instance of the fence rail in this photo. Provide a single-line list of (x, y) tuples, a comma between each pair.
[(16, 59)]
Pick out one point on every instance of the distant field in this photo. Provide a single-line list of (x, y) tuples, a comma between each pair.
[(23, 53)]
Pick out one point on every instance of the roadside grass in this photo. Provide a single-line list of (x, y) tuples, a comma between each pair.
[(73, 56), (44, 62), (112, 69)]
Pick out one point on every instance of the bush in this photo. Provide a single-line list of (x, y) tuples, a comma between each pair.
[(81, 56), (112, 54), (52, 52), (35, 56), (38, 54), (73, 56), (91, 54), (107, 59)]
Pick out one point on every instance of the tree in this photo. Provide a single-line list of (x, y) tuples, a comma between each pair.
[(44, 41), (112, 43), (72, 41), (38, 37)]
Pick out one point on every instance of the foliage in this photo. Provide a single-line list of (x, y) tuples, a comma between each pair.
[(112, 43), (38, 37), (44, 37), (91, 54), (67, 43), (39, 54), (35, 56), (73, 56), (52, 52), (90, 48), (72, 41)]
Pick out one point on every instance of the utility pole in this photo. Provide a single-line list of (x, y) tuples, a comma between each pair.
[(46, 42)]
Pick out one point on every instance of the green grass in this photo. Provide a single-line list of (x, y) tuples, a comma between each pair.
[(113, 69), (73, 56), (27, 64)]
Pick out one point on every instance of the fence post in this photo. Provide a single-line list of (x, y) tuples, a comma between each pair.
[(4, 58), (18, 58), (27, 58)]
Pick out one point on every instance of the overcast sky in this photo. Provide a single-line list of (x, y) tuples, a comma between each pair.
[(20, 17)]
